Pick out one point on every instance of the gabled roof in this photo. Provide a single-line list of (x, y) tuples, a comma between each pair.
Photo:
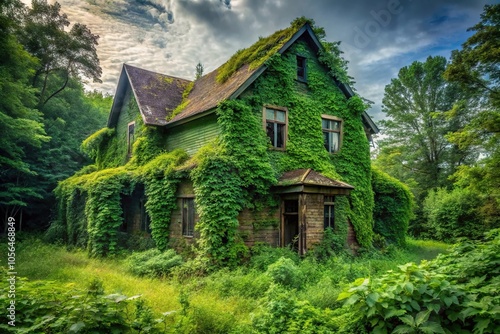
[(156, 94), (157, 100), (310, 181)]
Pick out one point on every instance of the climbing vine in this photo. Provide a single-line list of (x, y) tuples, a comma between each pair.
[(238, 169), (161, 179), (393, 207)]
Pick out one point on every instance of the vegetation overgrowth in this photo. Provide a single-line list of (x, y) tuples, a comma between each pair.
[(237, 168), (225, 301)]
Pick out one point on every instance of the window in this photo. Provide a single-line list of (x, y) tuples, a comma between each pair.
[(145, 221), (130, 137), (329, 212), (301, 69), (276, 126), (332, 130), (188, 211)]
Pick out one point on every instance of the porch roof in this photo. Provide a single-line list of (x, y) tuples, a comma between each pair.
[(310, 181)]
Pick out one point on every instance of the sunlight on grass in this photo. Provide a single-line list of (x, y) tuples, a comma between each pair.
[(39, 261)]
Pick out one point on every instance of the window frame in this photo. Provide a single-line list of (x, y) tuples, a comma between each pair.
[(264, 124), (188, 232), (303, 60), (340, 131), (331, 210), (130, 142)]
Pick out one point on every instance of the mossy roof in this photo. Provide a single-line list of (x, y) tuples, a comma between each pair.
[(310, 177), (156, 94)]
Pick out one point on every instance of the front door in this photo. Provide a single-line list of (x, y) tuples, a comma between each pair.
[(290, 224)]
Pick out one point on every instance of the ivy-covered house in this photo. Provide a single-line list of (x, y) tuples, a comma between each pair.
[(273, 147)]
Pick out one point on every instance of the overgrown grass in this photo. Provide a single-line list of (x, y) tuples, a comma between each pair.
[(225, 300)]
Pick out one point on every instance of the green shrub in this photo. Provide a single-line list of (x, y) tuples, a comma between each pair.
[(453, 214), (153, 262), (455, 293), (283, 313), (264, 255), (285, 272), (331, 244), (49, 307), (393, 207)]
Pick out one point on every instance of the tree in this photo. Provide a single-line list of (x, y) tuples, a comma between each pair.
[(66, 54), (416, 104), (199, 71), (21, 124), (476, 67)]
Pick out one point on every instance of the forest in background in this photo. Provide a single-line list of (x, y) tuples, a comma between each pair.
[(45, 111)]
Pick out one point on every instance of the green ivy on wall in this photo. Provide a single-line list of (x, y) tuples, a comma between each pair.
[(393, 207), (235, 171)]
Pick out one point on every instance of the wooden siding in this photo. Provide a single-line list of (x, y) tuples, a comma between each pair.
[(193, 135), (127, 114)]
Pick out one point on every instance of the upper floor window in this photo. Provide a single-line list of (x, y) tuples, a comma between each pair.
[(188, 212), (130, 137), (275, 121), (301, 69), (332, 133), (329, 215)]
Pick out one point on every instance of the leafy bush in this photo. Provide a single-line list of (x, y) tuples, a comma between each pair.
[(455, 293), (283, 313), (153, 262), (285, 272), (264, 255), (393, 207), (48, 307), (331, 244), (453, 214)]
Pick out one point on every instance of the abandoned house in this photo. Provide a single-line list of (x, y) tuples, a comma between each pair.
[(274, 144)]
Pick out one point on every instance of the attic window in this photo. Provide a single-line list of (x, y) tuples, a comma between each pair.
[(332, 133), (130, 137), (301, 69), (275, 123)]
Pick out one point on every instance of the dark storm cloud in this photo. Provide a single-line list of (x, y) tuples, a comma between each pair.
[(378, 36), (143, 13)]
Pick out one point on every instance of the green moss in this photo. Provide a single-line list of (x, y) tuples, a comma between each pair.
[(184, 103), (259, 52)]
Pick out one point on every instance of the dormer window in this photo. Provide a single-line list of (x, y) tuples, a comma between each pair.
[(275, 123), (332, 133), (130, 137), (301, 69)]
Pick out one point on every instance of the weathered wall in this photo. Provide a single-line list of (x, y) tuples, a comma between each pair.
[(193, 135)]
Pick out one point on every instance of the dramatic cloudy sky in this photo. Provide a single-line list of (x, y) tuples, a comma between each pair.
[(171, 36)]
